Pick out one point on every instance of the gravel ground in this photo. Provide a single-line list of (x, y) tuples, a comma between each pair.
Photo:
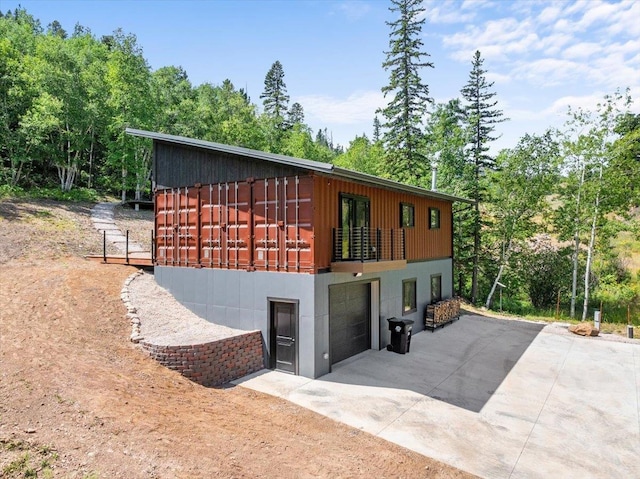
[(165, 322)]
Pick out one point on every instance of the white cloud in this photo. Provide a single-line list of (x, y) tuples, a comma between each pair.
[(548, 72), (554, 43), (497, 77), (579, 6), (581, 50), (437, 11), (549, 14), (598, 12), (586, 102), (357, 107), (354, 10), (547, 45), (476, 4), (497, 39), (626, 21), (613, 71)]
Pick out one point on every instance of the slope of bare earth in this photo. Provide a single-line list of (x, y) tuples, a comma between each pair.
[(78, 400)]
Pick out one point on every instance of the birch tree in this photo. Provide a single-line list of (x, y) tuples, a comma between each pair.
[(517, 192), (586, 199)]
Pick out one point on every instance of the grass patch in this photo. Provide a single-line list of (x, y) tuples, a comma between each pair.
[(79, 194), (27, 460)]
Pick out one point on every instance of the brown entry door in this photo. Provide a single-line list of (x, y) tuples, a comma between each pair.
[(284, 327)]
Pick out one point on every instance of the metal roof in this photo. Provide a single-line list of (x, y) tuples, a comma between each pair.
[(316, 166)]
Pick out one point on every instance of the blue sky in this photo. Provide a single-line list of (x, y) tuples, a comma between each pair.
[(542, 55)]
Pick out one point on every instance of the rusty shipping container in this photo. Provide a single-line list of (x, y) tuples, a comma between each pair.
[(254, 225)]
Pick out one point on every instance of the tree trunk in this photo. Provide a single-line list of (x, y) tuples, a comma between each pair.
[(576, 251), (506, 252), (89, 181), (495, 285), (476, 254), (592, 240), (124, 185)]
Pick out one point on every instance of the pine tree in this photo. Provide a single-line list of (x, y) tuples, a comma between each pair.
[(481, 116), (405, 112), (275, 98), (296, 114), (376, 129)]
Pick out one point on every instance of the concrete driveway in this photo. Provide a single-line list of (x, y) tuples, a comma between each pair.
[(500, 399)]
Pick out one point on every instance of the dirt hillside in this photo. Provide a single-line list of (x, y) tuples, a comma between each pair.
[(78, 400)]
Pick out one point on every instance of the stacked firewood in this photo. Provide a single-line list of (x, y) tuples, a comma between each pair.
[(442, 312)]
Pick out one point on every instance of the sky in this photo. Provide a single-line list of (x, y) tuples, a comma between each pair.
[(541, 55)]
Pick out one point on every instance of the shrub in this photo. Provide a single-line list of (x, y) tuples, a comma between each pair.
[(546, 269)]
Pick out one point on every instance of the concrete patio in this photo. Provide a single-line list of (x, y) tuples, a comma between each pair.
[(497, 398)]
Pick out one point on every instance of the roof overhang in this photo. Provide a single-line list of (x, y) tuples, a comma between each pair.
[(315, 166)]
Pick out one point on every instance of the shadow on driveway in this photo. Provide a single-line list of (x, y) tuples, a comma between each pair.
[(462, 364)]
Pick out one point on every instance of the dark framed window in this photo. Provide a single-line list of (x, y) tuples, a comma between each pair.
[(407, 215), (354, 227), (434, 218), (436, 288), (409, 296)]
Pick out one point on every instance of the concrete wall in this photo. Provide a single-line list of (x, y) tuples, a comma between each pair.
[(390, 300), (239, 299)]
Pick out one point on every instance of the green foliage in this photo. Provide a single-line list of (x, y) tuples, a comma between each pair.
[(546, 270), (80, 194), (65, 102), (446, 137), (296, 114), (403, 137), (275, 98), (361, 156), (482, 116)]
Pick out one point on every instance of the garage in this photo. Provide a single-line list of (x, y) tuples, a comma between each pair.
[(349, 319)]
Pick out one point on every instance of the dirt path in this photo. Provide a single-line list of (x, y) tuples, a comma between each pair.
[(77, 399)]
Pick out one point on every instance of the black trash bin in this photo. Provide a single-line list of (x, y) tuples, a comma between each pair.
[(400, 335)]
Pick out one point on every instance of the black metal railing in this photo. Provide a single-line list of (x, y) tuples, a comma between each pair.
[(368, 244)]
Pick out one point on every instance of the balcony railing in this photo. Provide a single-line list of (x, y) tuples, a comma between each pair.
[(368, 244)]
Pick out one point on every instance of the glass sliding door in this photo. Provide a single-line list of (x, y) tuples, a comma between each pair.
[(354, 221)]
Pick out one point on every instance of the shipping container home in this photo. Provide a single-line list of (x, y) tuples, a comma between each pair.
[(314, 256)]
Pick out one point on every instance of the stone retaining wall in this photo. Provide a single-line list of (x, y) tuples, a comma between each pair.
[(214, 363)]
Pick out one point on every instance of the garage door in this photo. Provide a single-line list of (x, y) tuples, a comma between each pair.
[(349, 320)]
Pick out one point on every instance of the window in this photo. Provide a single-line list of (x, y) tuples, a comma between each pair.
[(407, 215), (354, 222), (436, 288), (409, 296), (434, 218)]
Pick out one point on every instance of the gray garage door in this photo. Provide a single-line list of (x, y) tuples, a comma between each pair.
[(349, 319)]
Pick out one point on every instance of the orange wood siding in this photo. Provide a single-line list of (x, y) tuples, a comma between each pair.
[(422, 243)]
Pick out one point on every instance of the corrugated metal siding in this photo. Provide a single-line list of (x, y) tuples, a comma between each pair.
[(176, 221), (283, 227), (264, 225), (179, 166), (224, 218), (421, 242)]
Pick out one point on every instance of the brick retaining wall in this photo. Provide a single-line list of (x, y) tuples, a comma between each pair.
[(215, 363)]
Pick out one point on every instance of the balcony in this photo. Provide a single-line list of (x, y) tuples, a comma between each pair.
[(368, 250)]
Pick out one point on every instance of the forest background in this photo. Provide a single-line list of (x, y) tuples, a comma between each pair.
[(555, 227)]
